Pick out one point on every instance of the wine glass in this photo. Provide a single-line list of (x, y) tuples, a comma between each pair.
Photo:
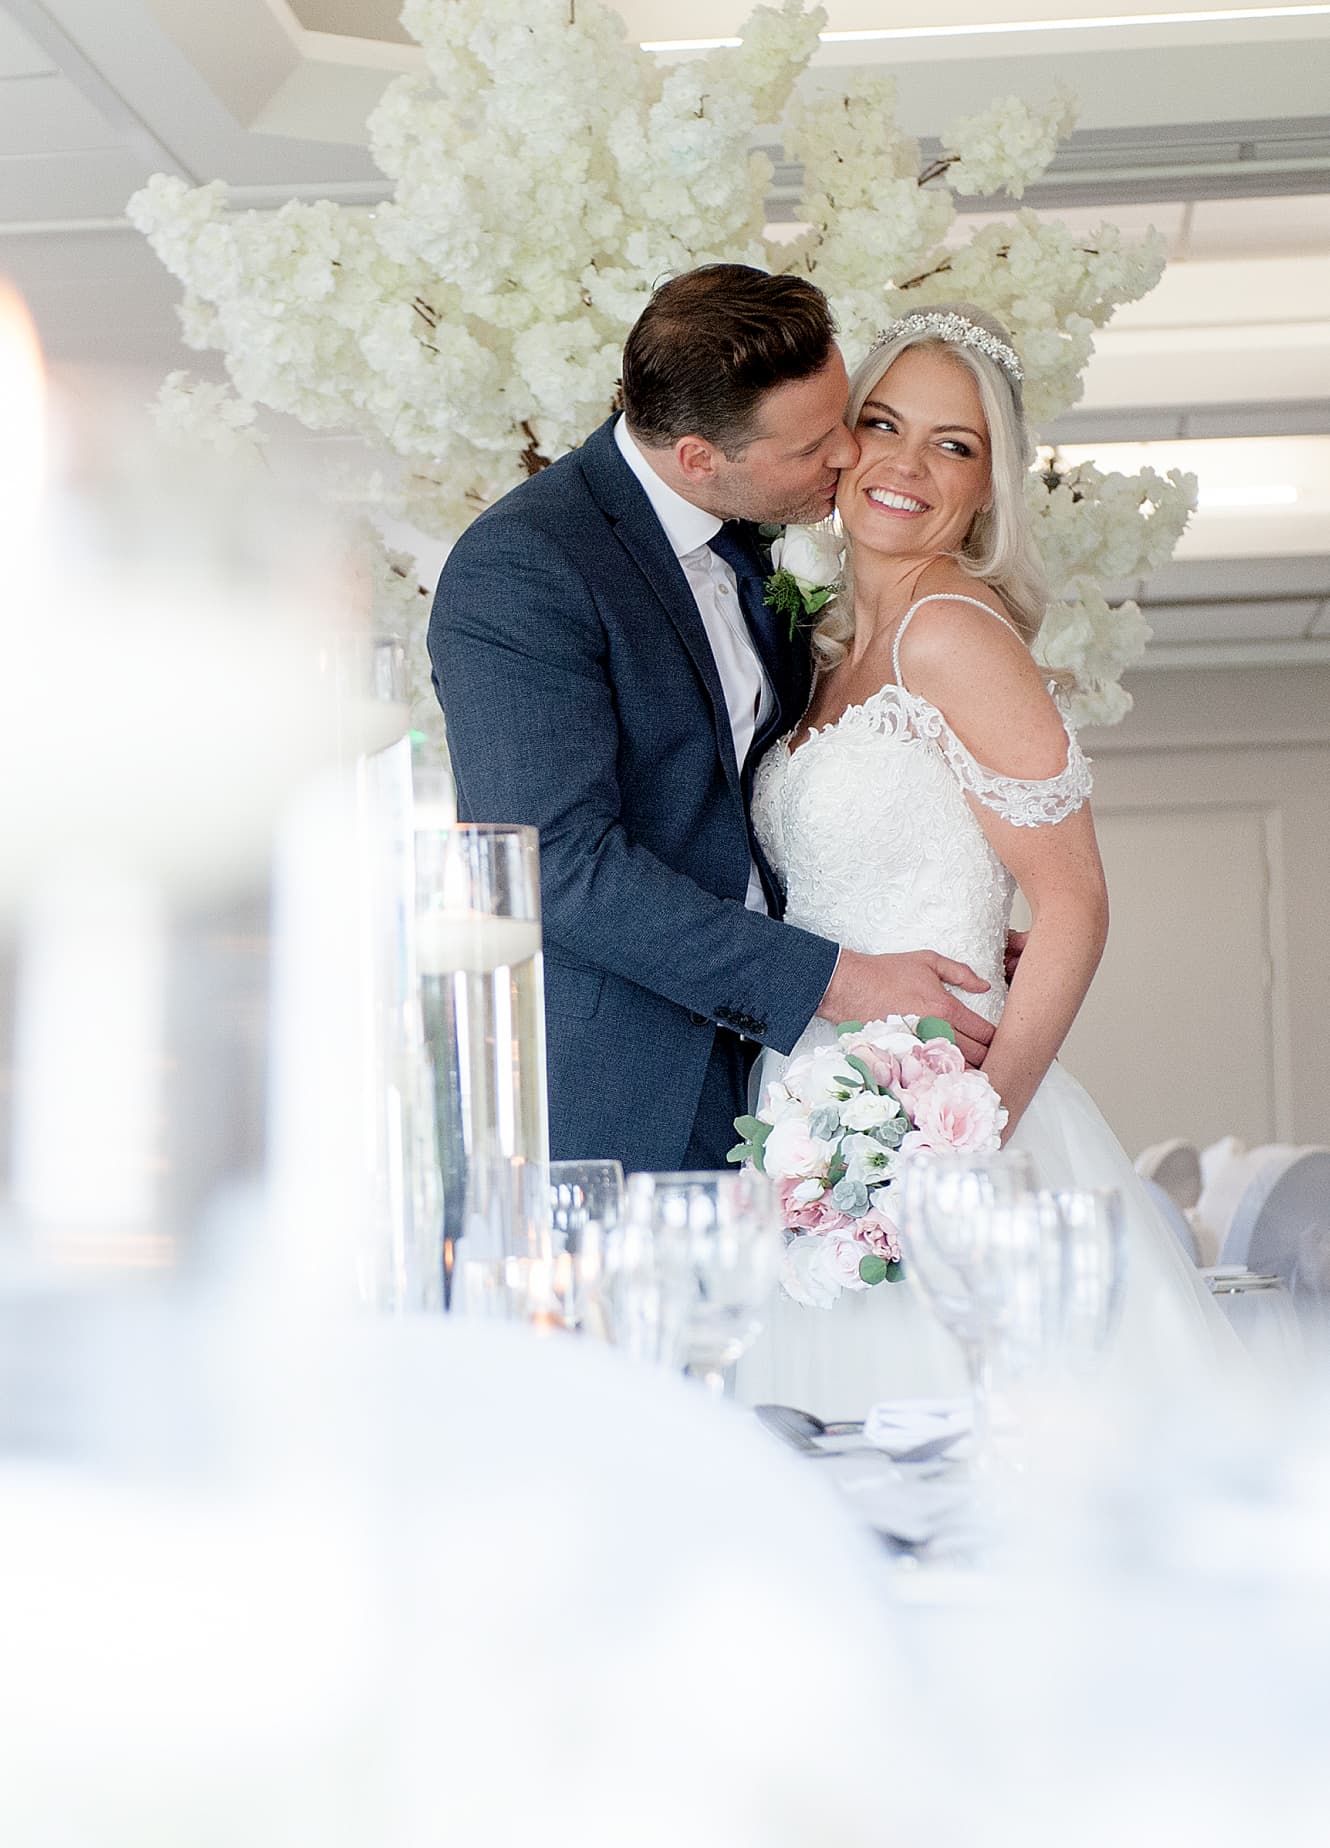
[(719, 1238), (646, 1294), (970, 1244), (586, 1204), (1093, 1254)]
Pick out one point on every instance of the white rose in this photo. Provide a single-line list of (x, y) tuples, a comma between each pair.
[(866, 1111), (811, 555), (840, 1260), (820, 1077), (805, 1276), (790, 1153), (777, 1103)]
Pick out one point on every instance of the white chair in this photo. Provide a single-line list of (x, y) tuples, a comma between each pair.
[(1281, 1224), (1217, 1157), (1229, 1169), (1175, 1167)]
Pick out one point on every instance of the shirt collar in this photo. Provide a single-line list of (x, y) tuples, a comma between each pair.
[(685, 525)]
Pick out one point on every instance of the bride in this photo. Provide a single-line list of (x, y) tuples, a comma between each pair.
[(931, 775)]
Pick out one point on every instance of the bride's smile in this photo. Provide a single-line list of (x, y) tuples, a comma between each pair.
[(923, 468)]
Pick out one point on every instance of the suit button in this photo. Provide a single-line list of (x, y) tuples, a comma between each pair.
[(698, 1020)]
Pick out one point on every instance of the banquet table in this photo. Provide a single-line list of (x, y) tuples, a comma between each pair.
[(409, 1579)]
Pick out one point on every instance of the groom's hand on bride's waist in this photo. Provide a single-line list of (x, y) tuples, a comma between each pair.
[(914, 982)]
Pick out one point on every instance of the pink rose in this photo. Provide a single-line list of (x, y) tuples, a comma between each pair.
[(882, 1064), (922, 1066), (930, 1059), (961, 1111), (808, 1215), (880, 1236), (881, 1044)]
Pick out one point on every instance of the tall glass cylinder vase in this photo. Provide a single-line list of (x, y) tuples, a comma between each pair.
[(483, 1016)]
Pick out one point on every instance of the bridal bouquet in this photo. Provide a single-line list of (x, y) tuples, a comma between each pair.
[(835, 1131)]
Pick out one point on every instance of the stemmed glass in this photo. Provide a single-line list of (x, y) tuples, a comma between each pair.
[(717, 1242), (975, 1251), (1064, 1254), (1093, 1265), (586, 1205)]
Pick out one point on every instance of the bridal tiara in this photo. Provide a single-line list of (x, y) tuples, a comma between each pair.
[(956, 330)]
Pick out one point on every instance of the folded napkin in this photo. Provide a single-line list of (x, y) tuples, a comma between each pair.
[(898, 1426)]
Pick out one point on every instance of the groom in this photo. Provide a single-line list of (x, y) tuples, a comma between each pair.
[(610, 674)]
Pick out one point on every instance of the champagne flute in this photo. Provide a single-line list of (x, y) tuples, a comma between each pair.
[(719, 1237)]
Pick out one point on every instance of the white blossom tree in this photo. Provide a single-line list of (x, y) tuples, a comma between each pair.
[(546, 175)]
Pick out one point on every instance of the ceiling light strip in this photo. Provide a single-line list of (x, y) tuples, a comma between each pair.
[(1101, 23)]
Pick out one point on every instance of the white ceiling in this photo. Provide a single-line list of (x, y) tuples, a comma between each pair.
[(1216, 132)]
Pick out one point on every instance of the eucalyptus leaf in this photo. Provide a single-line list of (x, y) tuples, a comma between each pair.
[(752, 1128), (856, 1064), (739, 1152), (850, 1197), (894, 1271), (931, 1028), (873, 1269), (850, 1026), (824, 1123)]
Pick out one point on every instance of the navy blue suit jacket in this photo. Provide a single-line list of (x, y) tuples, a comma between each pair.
[(581, 697)]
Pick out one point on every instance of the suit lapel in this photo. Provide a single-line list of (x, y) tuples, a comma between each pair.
[(624, 504)]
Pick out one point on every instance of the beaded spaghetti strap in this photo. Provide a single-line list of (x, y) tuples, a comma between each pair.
[(942, 596)]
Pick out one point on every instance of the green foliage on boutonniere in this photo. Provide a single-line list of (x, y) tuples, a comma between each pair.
[(785, 595), (806, 571)]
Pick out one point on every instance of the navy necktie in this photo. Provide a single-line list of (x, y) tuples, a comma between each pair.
[(750, 578), (764, 628)]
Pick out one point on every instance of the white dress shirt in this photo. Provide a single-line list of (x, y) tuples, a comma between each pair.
[(749, 697)]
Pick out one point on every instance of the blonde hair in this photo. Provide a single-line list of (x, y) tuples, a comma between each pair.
[(999, 548)]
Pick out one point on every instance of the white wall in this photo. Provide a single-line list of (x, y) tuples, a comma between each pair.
[(1211, 1011)]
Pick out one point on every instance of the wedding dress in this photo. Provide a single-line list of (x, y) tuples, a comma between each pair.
[(867, 824)]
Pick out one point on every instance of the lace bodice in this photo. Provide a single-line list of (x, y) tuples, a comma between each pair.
[(868, 826)]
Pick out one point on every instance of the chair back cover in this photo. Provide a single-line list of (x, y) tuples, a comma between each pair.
[(1282, 1221), (1176, 1167), (1229, 1168)]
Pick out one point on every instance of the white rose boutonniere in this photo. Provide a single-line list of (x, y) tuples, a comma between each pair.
[(806, 571)]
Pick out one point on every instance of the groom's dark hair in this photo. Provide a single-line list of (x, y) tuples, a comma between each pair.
[(711, 343)]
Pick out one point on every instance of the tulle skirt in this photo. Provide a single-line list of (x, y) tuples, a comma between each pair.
[(884, 1343)]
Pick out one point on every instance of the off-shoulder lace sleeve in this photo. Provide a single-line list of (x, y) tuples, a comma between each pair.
[(1023, 801)]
